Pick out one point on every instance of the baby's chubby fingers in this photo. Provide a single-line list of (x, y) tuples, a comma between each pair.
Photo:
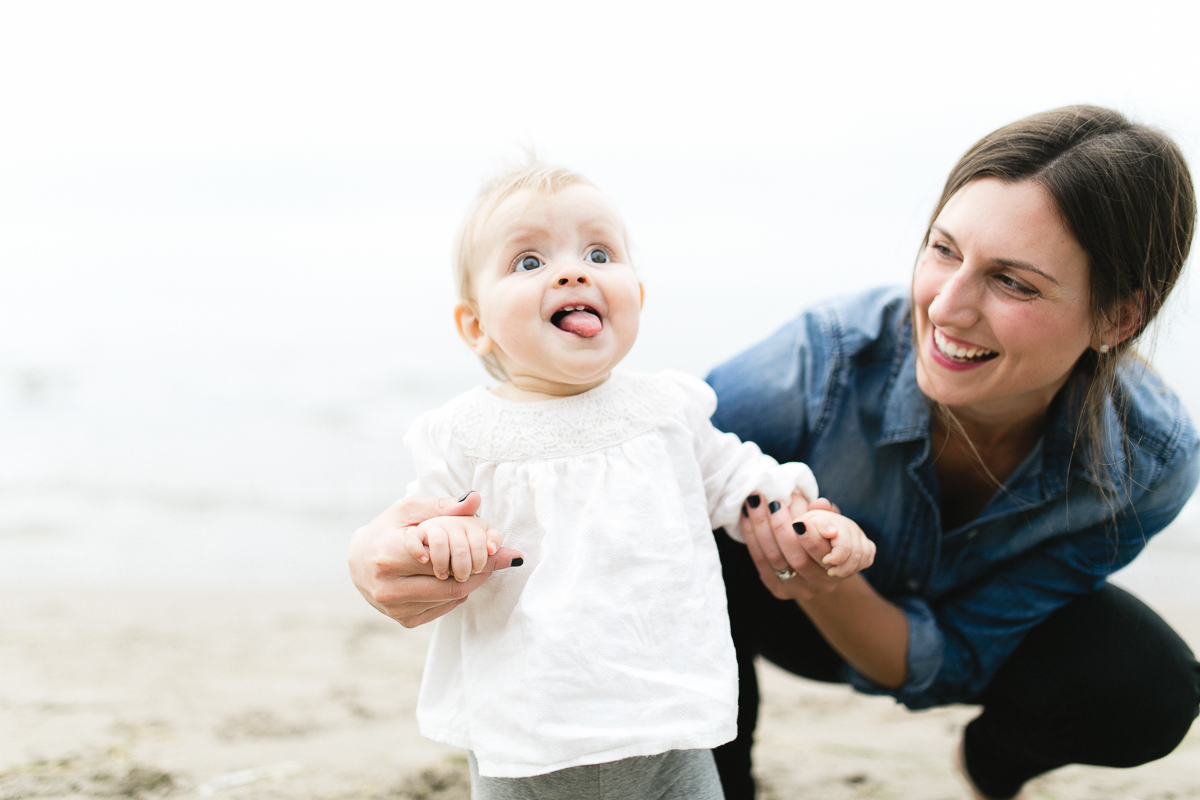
[(494, 541), (843, 547), (849, 553), (437, 538), (461, 567), (824, 504), (482, 545), (469, 546), (414, 544), (846, 568), (814, 544)]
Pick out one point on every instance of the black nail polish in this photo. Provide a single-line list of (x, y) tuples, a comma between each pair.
[(799, 527), (753, 500), (745, 513), (774, 506), (465, 496), (516, 562)]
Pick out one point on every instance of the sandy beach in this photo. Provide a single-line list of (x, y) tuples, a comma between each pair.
[(239, 694)]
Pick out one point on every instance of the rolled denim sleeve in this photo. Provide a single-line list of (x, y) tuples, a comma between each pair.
[(957, 644), (926, 648)]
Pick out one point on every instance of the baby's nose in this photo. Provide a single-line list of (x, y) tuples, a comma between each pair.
[(581, 279)]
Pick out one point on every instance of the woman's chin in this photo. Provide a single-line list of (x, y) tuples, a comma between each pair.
[(948, 387)]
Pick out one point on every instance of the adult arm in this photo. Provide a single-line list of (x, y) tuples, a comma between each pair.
[(394, 582), (951, 648), (772, 394), (865, 629)]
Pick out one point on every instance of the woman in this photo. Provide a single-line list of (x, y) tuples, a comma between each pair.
[(993, 433)]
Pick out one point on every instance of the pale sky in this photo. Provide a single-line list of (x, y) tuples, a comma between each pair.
[(251, 80), (164, 162)]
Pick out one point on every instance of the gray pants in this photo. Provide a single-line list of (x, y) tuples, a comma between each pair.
[(673, 775)]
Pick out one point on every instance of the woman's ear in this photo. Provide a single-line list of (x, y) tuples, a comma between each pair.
[(1124, 321), (466, 317)]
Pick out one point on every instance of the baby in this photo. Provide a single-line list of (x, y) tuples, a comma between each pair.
[(606, 660)]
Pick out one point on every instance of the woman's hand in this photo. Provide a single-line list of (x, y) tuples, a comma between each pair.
[(775, 547), (395, 582), (863, 627)]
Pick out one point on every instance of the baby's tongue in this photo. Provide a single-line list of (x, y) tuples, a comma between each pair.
[(581, 323)]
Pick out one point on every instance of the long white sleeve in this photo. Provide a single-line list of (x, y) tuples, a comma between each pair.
[(442, 469), (734, 469)]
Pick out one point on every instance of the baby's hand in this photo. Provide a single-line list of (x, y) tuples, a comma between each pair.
[(452, 545), (852, 550)]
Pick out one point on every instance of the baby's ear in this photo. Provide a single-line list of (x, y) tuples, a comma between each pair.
[(466, 317), (642, 293)]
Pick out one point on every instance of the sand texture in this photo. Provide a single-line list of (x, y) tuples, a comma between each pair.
[(310, 694)]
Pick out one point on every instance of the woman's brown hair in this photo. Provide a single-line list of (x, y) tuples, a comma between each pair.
[(1125, 192)]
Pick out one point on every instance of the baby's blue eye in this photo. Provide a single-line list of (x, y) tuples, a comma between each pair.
[(598, 256), (528, 263)]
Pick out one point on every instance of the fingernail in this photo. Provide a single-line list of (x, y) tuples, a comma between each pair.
[(753, 500), (465, 496), (799, 527), (745, 513), (516, 562), (774, 506)]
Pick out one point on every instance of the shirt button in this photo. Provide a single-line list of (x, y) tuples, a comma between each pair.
[(914, 584), (973, 534)]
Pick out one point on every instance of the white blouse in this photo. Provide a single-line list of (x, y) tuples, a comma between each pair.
[(612, 640)]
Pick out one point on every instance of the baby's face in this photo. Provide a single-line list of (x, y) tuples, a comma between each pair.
[(557, 299)]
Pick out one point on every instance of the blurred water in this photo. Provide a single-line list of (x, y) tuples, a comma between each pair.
[(206, 370)]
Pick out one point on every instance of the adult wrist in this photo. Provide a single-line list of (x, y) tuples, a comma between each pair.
[(827, 595)]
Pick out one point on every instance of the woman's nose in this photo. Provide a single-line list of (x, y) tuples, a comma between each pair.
[(956, 304)]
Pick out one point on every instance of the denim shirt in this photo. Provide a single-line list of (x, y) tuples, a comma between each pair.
[(837, 388)]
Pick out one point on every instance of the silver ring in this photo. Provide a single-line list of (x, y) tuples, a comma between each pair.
[(785, 574)]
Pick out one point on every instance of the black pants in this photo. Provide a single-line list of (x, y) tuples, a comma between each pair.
[(1104, 680)]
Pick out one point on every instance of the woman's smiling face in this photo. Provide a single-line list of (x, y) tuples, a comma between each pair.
[(1000, 302)]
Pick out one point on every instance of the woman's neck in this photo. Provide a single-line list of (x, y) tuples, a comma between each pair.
[(996, 432), (974, 456)]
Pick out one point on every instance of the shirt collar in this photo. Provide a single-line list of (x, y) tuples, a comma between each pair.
[(906, 412), (1064, 448)]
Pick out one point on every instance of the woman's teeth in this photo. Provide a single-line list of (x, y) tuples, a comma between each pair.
[(952, 350)]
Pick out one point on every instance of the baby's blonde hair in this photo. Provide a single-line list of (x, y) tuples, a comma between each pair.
[(532, 175)]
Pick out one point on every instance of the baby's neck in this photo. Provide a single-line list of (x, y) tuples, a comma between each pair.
[(526, 389)]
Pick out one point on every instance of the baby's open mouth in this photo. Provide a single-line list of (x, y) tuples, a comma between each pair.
[(963, 355), (580, 320)]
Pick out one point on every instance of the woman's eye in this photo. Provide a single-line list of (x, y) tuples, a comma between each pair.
[(1016, 286), (528, 263), (942, 250), (598, 256)]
